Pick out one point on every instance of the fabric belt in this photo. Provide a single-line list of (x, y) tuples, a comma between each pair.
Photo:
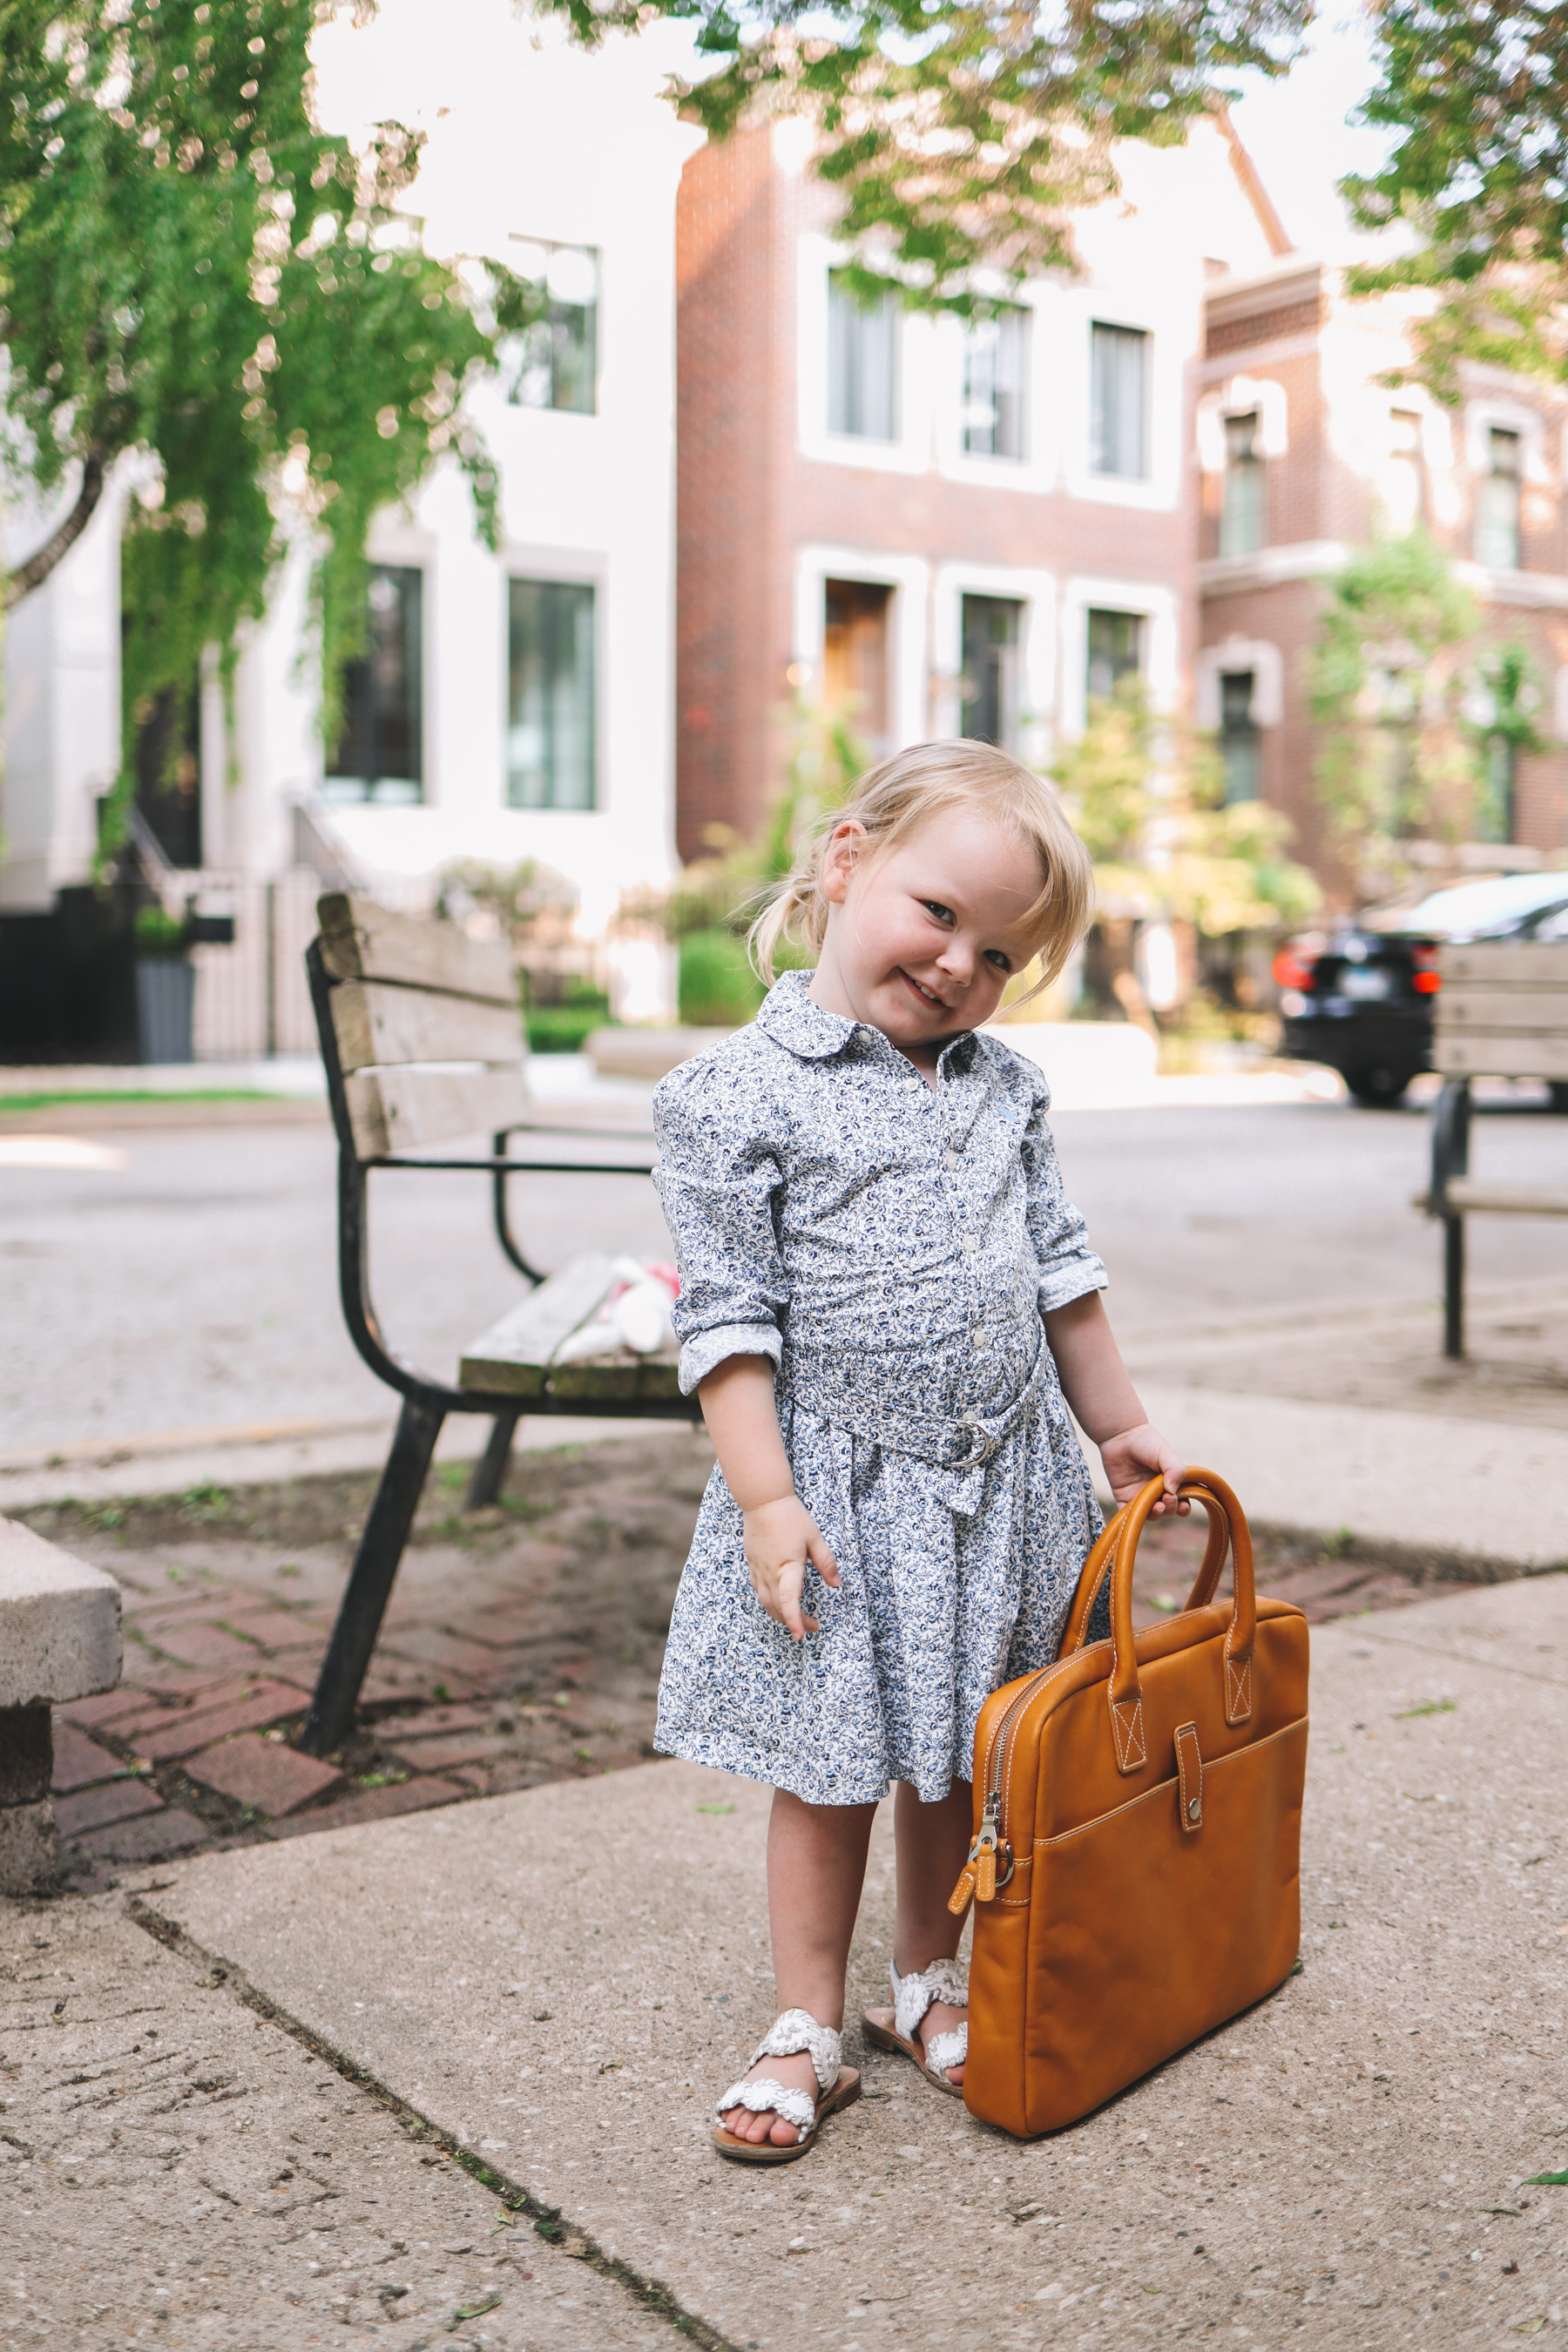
[(837, 1388)]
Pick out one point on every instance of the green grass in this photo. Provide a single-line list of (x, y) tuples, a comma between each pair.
[(62, 1097)]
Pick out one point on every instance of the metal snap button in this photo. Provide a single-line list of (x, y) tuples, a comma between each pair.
[(1196, 1810)]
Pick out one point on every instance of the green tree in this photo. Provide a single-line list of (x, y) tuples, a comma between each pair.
[(193, 272), (1148, 797), (962, 133), (1478, 95), (1388, 685)]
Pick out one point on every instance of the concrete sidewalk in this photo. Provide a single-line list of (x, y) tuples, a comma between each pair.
[(561, 1981)]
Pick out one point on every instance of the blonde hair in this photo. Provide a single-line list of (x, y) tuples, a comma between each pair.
[(898, 795)]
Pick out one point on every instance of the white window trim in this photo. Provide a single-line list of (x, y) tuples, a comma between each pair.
[(1508, 416), (1160, 607), (1078, 310), (1036, 593), (909, 576), (1267, 664), (1241, 396), (1036, 473), (911, 452), (574, 568)]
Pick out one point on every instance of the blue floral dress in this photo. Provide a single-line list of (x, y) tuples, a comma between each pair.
[(891, 1248)]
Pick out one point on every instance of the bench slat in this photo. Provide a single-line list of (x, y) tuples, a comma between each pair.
[(1507, 1200), (377, 1025), (1502, 1010), (514, 1358), (1483, 1054), (511, 1358), (1526, 964), (361, 940), (404, 1110)]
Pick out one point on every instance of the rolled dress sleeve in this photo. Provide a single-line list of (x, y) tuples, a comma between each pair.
[(1068, 1268), (719, 1180)]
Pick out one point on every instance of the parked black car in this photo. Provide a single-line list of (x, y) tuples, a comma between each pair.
[(1363, 999)]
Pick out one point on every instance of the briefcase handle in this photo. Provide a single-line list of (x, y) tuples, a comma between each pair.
[(1227, 1529), (1096, 1568)]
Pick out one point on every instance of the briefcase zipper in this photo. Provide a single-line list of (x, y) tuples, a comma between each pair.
[(990, 1862)]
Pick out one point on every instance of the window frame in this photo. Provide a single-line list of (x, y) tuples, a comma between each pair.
[(521, 576), (369, 796), (1098, 470), (511, 374)]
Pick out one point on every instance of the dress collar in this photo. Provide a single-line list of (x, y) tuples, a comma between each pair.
[(789, 1016)]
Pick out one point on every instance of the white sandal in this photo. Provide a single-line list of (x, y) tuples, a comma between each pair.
[(839, 2085), (895, 2028)]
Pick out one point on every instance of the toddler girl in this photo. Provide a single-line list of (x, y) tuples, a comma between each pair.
[(885, 1299)]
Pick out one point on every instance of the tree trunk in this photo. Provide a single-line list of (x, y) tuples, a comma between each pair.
[(37, 568)]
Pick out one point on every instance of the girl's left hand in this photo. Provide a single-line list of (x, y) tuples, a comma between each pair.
[(1131, 1459)]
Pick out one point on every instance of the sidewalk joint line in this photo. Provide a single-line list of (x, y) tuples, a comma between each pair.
[(652, 2295)]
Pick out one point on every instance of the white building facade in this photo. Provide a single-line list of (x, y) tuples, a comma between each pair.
[(515, 705)]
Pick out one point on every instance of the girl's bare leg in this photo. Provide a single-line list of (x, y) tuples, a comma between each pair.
[(816, 1864), (932, 1843)]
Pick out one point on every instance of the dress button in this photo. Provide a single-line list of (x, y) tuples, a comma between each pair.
[(968, 1244), (978, 1335), (951, 1156), (914, 1086)]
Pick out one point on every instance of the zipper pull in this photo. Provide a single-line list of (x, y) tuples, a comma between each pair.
[(958, 1902), (982, 1853)]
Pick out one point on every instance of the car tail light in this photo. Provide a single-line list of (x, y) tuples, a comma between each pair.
[(1426, 979), (1294, 965)]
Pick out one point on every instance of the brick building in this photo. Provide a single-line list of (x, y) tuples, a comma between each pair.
[(1303, 453), (966, 528)]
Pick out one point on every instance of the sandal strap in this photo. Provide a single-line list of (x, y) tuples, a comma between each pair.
[(767, 2097), (913, 1995), (946, 2050), (796, 2031)]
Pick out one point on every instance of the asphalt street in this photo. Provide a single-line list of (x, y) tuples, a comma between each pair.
[(190, 1281)]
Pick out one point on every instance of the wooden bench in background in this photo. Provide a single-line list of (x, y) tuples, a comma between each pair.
[(1502, 1013), (422, 1037)]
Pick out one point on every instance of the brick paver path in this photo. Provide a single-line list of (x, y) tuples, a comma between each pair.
[(521, 1645)]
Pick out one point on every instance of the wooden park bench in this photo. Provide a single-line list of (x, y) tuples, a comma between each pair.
[(1502, 1013), (422, 1036)]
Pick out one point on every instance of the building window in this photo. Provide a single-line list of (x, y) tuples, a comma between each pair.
[(1238, 734), (380, 753), (1404, 477), (1494, 813), (1118, 426), (167, 759), (855, 616), (1497, 503), (554, 363), (1241, 507), (862, 363), (550, 750), (1115, 651), (996, 385), (991, 634)]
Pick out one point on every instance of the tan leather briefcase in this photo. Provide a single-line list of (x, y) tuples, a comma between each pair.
[(1138, 1824)]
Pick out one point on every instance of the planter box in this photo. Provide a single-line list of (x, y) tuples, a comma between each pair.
[(166, 1003)]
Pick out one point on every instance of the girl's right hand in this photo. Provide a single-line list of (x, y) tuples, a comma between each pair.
[(782, 1536)]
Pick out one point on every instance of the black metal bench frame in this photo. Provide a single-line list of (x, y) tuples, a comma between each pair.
[(426, 1402)]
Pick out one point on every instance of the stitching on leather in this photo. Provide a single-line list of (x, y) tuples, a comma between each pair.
[(1130, 1747), (1253, 1747)]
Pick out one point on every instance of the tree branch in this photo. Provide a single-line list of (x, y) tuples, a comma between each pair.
[(38, 566)]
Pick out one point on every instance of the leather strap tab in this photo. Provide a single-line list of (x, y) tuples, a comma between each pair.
[(1190, 1778)]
